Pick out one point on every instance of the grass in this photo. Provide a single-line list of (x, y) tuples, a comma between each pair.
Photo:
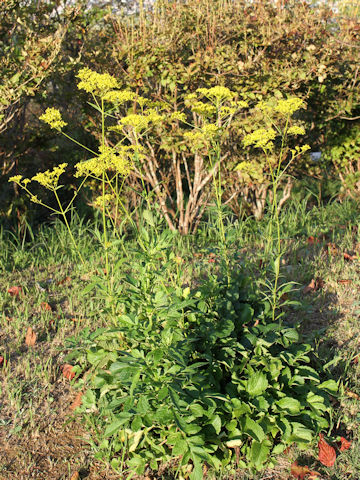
[(42, 438)]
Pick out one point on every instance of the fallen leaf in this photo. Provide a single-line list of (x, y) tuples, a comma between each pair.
[(15, 291), (314, 285), (77, 402), (349, 257), (344, 282), (2, 361), (300, 471), (68, 372), (345, 444), (311, 240), (211, 260), (351, 394), (332, 249), (75, 476), (30, 338), (327, 454), (64, 280), (45, 307)]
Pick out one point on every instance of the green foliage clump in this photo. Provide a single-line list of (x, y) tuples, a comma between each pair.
[(197, 376)]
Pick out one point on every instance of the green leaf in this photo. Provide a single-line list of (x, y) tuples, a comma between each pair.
[(257, 384), (121, 418), (253, 429), (290, 405), (149, 218), (330, 386), (259, 452), (180, 448), (216, 423)]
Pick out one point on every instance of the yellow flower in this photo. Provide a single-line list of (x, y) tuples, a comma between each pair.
[(261, 138), (289, 106), (119, 96), (50, 178), (97, 83), (52, 117), (217, 93), (296, 130), (101, 200), (178, 116), (108, 159), (203, 109), (16, 178)]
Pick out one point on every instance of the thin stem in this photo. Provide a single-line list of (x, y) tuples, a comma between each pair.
[(68, 226)]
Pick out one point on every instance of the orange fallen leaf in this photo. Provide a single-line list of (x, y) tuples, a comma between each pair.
[(45, 307), (327, 454), (300, 471), (30, 338), (351, 394), (75, 476), (68, 372), (314, 285), (64, 280), (344, 282), (345, 444), (332, 249), (77, 402), (15, 291), (349, 257), (311, 240)]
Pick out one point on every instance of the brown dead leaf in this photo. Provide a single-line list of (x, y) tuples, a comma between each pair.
[(64, 280), (311, 240), (77, 401), (15, 291), (349, 257), (345, 444), (45, 307), (351, 394), (327, 454), (344, 282), (75, 476), (67, 371), (332, 249), (314, 285), (302, 471), (30, 338)]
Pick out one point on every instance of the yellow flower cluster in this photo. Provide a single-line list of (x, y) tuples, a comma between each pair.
[(296, 130), (250, 172), (101, 200), (261, 138), (139, 122), (204, 109), (217, 93), (178, 116), (108, 159), (289, 106), (52, 117), (119, 96), (202, 135), (285, 107), (97, 83), (50, 178), (300, 150)]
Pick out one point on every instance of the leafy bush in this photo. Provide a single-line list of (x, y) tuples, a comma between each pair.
[(199, 375), (344, 153), (256, 49)]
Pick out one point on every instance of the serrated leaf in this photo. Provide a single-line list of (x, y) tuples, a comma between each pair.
[(253, 429), (257, 384), (290, 405)]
